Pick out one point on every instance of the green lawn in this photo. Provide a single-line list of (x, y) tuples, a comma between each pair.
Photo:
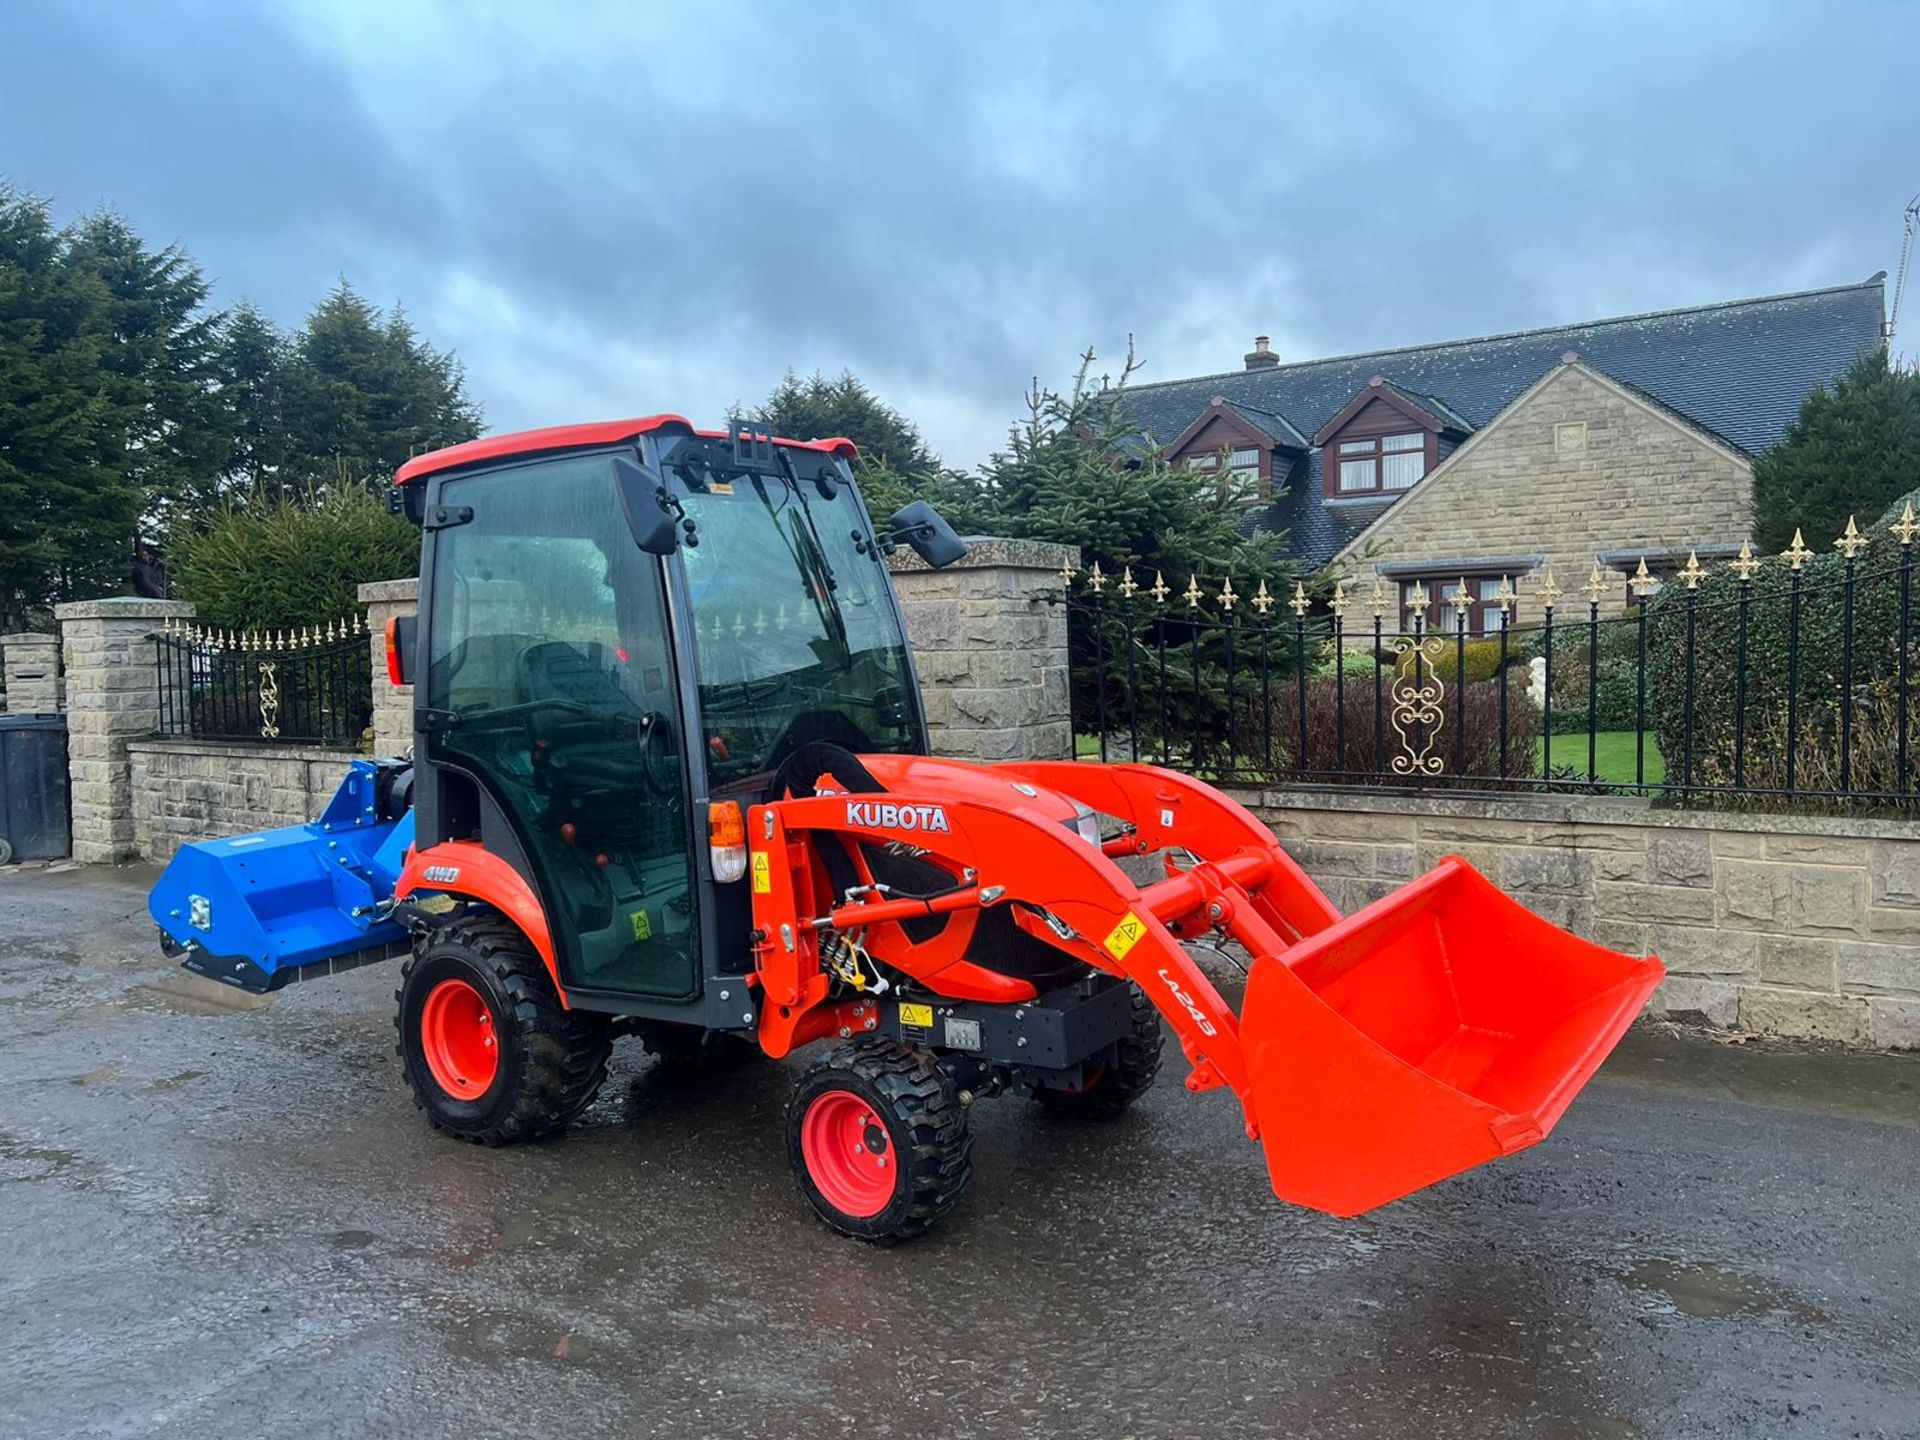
[(1612, 756)]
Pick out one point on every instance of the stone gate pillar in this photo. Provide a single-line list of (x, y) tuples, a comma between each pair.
[(113, 696), (991, 650), (392, 704), (33, 673)]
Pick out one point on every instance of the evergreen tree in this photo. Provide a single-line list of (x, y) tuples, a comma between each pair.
[(1851, 451), (817, 408), (1074, 472), (156, 367), (895, 465), (67, 507), (363, 393), (249, 359)]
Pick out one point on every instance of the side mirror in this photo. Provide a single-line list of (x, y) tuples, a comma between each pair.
[(653, 526), (926, 530)]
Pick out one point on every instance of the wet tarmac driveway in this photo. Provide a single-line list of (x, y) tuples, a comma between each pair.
[(224, 1219)]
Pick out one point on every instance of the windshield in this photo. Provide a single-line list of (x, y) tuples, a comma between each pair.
[(796, 637)]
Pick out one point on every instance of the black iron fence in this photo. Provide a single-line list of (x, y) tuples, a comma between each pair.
[(1779, 681), (308, 686)]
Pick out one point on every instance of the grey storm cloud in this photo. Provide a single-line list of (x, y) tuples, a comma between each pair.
[(624, 208)]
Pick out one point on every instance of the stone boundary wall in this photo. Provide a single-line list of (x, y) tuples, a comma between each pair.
[(195, 789), (1788, 925), (32, 665)]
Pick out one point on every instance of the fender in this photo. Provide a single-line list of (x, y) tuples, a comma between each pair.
[(464, 867)]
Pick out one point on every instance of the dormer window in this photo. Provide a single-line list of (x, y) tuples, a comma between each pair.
[(1242, 464), (1242, 444), (1385, 440), (1389, 462)]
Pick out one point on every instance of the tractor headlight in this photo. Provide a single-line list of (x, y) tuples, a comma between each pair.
[(727, 841), (1086, 824)]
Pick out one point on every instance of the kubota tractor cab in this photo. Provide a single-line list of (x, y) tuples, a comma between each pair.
[(671, 778)]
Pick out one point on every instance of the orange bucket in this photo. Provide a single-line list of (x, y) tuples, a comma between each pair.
[(1442, 1026)]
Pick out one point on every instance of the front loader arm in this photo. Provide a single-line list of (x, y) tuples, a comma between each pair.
[(998, 856)]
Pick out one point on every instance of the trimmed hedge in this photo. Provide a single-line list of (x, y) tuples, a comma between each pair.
[(276, 563)]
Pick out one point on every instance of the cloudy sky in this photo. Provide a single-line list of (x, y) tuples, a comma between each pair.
[(618, 208)]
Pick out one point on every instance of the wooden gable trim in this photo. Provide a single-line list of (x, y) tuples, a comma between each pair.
[(1220, 410), (1378, 388), (1467, 447)]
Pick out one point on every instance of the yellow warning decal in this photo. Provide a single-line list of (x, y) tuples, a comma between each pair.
[(920, 1017), (642, 926), (762, 873), (1125, 936)]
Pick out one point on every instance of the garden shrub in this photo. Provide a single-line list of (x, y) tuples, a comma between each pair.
[(275, 563), (1330, 746), (1481, 659), (1714, 688), (1616, 705)]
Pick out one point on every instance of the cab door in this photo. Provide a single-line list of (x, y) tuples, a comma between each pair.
[(551, 686)]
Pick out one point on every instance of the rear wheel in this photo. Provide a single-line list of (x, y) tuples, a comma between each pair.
[(1129, 1076), (878, 1140), (491, 1055)]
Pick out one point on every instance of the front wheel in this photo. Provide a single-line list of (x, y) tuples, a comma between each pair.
[(1128, 1076), (878, 1140), (489, 1052)]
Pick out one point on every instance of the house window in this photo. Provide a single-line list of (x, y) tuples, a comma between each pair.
[(1242, 464), (1392, 462), (1482, 616)]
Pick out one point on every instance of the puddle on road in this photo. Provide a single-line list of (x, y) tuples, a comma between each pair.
[(1709, 1292)]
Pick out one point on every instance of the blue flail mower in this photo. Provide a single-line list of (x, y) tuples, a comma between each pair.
[(257, 911)]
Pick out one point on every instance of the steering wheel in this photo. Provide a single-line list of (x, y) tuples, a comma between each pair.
[(656, 723)]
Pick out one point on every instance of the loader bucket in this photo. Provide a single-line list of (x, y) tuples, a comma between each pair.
[(1440, 1027)]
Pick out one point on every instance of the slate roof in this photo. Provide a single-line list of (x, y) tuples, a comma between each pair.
[(1738, 369)]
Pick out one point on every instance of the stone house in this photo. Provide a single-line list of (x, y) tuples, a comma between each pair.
[(1605, 443)]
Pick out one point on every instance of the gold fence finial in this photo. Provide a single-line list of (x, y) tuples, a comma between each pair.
[(1128, 589), (1227, 597), (1851, 543), (1797, 553), (1067, 573), (1192, 593), (1643, 583), (1096, 581), (1159, 589), (1744, 565), (1461, 600), (1549, 591), (1505, 596), (1338, 604), (1377, 596), (1417, 598), (1907, 527), (1596, 587), (1690, 573), (1262, 600), (1299, 604)]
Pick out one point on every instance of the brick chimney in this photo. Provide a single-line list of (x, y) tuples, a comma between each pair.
[(1260, 357)]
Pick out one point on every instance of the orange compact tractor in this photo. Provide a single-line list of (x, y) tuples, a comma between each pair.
[(670, 778)]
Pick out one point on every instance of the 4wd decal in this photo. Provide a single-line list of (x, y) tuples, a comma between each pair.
[(440, 874), (885, 815)]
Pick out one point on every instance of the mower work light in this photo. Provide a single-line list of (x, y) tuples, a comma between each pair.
[(727, 840)]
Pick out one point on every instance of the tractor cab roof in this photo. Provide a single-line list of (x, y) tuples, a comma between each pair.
[(573, 437)]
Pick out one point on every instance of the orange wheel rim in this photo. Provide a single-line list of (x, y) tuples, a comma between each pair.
[(848, 1154), (458, 1040)]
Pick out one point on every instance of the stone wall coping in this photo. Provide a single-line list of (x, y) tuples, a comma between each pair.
[(124, 607), (1578, 810), (240, 749), (993, 552), (377, 592), (29, 637)]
